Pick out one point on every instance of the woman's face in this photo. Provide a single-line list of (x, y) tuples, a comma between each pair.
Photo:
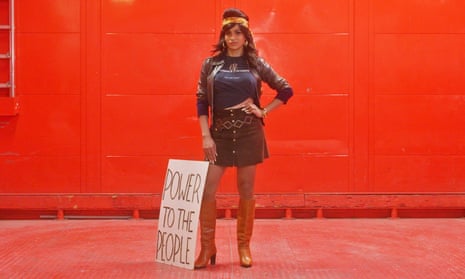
[(235, 40)]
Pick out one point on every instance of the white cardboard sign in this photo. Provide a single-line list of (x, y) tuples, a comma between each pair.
[(179, 212)]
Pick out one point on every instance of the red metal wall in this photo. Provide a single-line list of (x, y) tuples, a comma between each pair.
[(107, 95)]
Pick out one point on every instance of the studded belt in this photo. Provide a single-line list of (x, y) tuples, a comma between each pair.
[(234, 118)]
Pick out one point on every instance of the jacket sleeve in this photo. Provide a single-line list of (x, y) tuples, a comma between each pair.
[(275, 81), (202, 99)]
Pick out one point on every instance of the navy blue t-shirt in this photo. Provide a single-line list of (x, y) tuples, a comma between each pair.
[(234, 83)]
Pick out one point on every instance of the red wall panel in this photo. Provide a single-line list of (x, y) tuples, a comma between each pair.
[(323, 67), (41, 149), (298, 16), (417, 144), (107, 94), (419, 124), (145, 16), (48, 63), (33, 175), (420, 64), (133, 174), (320, 127), (49, 125), (419, 173), (48, 16), (300, 174), (428, 17), (126, 71), (144, 125)]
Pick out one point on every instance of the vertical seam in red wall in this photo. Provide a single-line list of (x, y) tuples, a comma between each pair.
[(350, 102)]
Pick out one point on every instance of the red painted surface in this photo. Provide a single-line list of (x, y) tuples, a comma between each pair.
[(365, 248), (107, 96)]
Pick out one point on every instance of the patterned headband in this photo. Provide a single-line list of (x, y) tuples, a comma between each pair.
[(242, 21)]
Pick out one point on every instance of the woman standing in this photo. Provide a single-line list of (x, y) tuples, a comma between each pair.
[(229, 91)]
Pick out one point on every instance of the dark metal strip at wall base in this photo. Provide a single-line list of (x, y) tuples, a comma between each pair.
[(289, 206)]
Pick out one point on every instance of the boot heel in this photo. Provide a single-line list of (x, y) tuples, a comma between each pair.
[(213, 259)]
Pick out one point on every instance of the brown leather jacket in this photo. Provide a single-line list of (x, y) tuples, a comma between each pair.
[(212, 65)]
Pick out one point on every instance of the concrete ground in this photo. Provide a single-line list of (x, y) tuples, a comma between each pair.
[(298, 248)]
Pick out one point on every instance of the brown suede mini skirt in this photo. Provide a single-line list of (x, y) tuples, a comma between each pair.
[(239, 138)]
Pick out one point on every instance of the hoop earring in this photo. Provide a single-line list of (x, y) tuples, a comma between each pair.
[(224, 46)]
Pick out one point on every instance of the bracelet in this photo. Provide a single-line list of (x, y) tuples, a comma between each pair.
[(264, 113)]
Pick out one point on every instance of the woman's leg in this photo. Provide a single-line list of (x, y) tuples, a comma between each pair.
[(208, 217), (246, 181), (246, 212), (213, 181)]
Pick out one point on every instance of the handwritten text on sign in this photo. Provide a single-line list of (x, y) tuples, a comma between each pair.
[(179, 212)]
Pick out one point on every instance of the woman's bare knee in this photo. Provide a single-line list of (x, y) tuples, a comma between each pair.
[(213, 180)]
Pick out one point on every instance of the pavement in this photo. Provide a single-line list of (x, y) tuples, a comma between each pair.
[(281, 248)]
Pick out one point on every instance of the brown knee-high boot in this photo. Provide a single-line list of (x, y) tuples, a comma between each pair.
[(245, 220), (207, 235)]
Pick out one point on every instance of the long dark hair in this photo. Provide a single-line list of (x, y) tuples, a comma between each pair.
[(250, 51)]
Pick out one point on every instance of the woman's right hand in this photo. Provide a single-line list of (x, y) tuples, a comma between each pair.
[(209, 148)]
